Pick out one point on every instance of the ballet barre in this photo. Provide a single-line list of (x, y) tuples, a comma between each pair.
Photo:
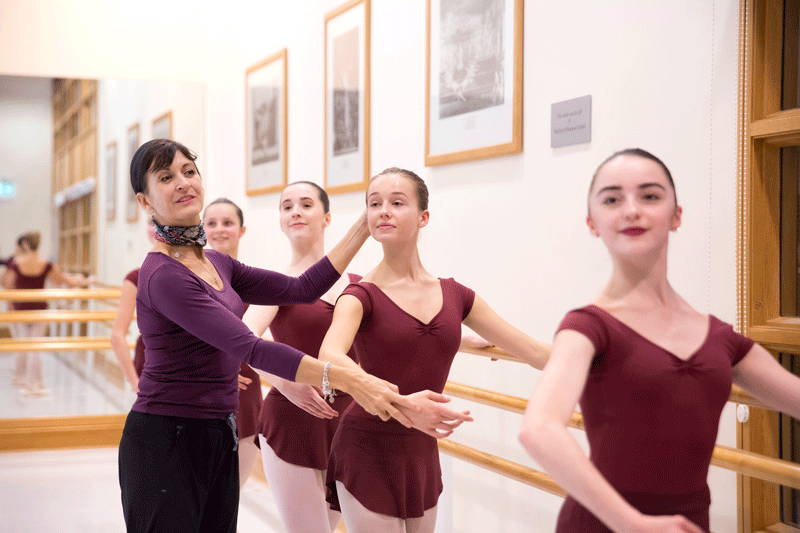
[(742, 462), (57, 315), (56, 344), (38, 295)]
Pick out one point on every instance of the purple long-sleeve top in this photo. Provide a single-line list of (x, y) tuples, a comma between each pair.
[(194, 337)]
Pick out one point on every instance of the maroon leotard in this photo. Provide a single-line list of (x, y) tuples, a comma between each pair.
[(389, 468), (138, 353), (249, 401), (21, 281), (652, 418), (296, 436)]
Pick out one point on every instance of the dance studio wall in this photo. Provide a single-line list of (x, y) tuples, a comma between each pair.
[(662, 75), (26, 154)]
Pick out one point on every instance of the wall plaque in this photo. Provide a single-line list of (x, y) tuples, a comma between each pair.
[(571, 122)]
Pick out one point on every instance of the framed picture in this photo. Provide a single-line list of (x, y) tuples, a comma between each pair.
[(473, 92), (162, 126), (266, 125), (131, 205), (347, 97), (111, 181)]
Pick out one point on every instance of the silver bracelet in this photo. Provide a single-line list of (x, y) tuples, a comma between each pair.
[(327, 391)]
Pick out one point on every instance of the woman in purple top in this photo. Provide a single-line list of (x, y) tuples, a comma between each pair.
[(405, 326), (177, 459), (651, 373)]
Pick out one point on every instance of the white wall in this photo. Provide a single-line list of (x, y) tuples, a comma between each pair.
[(124, 103), (662, 75), (26, 155)]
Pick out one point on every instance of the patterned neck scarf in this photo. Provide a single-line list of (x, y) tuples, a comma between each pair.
[(180, 235)]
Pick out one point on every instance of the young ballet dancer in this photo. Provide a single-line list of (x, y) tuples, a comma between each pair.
[(296, 424), (223, 221), (27, 270), (177, 458), (131, 368), (651, 373), (405, 326)]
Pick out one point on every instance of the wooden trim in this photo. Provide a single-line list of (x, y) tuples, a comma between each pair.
[(61, 432)]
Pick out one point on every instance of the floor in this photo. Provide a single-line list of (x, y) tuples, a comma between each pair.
[(77, 491)]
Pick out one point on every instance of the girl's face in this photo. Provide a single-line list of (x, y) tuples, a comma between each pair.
[(393, 213), (151, 236), (632, 207), (223, 228), (174, 194), (302, 215)]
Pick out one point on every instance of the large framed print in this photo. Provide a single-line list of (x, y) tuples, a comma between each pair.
[(111, 181), (131, 204), (347, 97), (473, 91), (266, 125), (162, 126)]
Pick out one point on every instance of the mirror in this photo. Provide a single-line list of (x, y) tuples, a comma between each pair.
[(67, 149)]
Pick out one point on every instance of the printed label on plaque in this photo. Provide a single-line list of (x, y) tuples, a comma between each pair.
[(571, 122)]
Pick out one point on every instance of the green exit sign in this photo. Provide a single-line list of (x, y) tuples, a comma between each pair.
[(8, 189)]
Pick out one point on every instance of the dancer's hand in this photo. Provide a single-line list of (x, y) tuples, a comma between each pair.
[(243, 381), (435, 419), (665, 524), (306, 397), (380, 398)]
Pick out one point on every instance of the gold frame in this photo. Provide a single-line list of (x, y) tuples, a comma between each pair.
[(156, 121), (130, 197), (281, 57), (483, 152), (358, 185)]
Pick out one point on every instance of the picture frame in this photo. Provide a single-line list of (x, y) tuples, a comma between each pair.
[(111, 181), (473, 80), (266, 125), (131, 204), (162, 126), (347, 98)]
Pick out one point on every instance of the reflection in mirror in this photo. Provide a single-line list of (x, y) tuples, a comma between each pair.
[(67, 146)]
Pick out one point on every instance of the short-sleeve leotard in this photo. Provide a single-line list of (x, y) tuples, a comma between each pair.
[(21, 281), (388, 468), (138, 353), (297, 437), (651, 417)]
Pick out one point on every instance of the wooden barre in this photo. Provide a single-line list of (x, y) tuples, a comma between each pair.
[(48, 344), (737, 394), (740, 461), (57, 315), (507, 468), (38, 295)]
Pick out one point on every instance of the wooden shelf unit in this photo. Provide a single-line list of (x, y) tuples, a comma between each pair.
[(74, 160)]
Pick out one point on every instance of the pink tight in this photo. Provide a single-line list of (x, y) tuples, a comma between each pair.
[(359, 519), (299, 493)]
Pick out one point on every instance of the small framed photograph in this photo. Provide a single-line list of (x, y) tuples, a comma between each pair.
[(266, 125), (347, 44), (111, 181), (162, 126), (131, 204), (473, 92)]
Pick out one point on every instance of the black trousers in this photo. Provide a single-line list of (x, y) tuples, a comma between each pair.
[(179, 474)]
